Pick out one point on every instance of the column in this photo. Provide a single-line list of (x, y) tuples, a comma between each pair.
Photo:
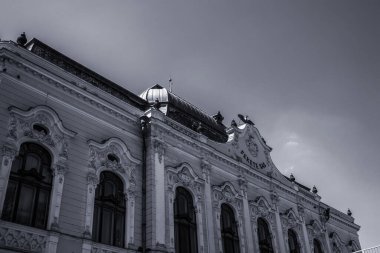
[(327, 242), (255, 236), (7, 156), (159, 192), (280, 235), (130, 219), (242, 238), (59, 171), (171, 219), (217, 227), (246, 215), (199, 215), (92, 182), (206, 170), (52, 242), (306, 237)]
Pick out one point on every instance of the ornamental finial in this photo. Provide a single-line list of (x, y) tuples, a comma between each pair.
[(21, 40)]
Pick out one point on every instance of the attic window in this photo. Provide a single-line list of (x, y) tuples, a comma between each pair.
[(40, 128), (113, 158)]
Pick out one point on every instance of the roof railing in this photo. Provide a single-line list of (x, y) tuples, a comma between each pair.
[(375, 249)]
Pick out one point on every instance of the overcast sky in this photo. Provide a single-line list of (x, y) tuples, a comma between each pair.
[(306, 72)]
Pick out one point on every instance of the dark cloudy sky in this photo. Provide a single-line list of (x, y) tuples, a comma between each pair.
[(306, 72)]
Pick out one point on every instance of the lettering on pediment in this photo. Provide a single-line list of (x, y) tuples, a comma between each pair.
[(248, 148)]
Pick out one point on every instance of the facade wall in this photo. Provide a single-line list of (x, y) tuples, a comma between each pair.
[(93, 120)]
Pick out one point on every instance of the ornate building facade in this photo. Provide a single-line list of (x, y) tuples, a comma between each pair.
[(89, 167)]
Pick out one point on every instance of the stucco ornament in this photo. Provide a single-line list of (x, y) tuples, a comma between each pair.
[(253, 148), (260, 207), (289, 219), (336, 243), (159, 148), (226, 193), (114, 155), (40, 124), (185, 176), (22, 240)]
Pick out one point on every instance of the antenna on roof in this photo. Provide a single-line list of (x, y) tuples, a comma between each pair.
[(170, 84)]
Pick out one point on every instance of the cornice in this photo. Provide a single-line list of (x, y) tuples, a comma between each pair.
[(72, 89), (193, 140)]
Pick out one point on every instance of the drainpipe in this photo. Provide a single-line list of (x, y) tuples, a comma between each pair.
[(144, 125)]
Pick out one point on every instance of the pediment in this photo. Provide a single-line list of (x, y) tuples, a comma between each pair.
[(249, 147), (184, 172)]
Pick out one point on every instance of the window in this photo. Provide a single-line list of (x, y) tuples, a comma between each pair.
[(317, 246), (230, 237), (109, 211), (264, 236), (336, 248), (294, 247), (29, 186), (185, 227)]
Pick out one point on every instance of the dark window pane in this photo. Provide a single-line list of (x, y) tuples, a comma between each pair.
[(264, 236), (185, 228), (119, 230), (109, 210), (317, 246), (109, 189), (27, 197), (292, 242), (9, 204), (32, 162), (17, 163), (25, 205), (42, 209), (107, 222), (229, 230)]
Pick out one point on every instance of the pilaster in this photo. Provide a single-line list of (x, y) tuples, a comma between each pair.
[(159, 192), (59, 171), (246, 215), (7, 156), (206, 171)]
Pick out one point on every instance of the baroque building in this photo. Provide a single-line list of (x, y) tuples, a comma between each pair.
[(87, 166)]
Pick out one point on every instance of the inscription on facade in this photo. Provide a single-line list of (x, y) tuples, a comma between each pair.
[(251, 162)]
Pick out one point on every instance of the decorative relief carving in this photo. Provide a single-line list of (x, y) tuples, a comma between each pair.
[(112, 155), (226, 193), (159, 148), (260, 207), (289, 219), (22, 240), (253, 148), (184, 175), (315, 229), (336, 242), (8, 152), (41, 124), (206, 170)]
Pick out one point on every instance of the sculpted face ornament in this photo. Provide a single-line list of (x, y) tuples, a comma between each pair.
[(252, 146), (185, 178)]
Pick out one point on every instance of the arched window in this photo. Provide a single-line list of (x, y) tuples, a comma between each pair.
[(29, 186), (335, 248), (109, 211), (294, 247), (229, 231), (185, 227), (317, 246), (265, 240)]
